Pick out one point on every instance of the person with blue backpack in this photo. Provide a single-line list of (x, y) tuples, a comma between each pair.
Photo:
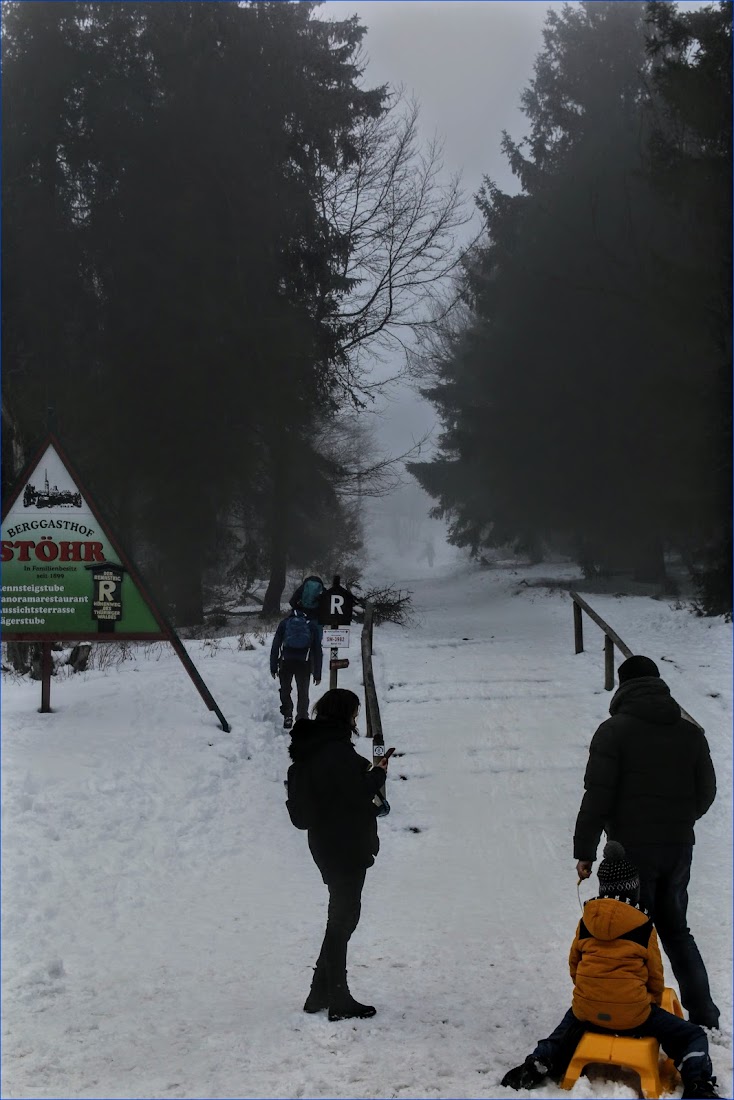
[(306, 597), (296, 655)]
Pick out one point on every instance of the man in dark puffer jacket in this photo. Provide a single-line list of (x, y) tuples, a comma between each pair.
[(648, 780)]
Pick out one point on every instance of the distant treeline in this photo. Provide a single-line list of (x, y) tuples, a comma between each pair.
[(584, 382), (207, 221)]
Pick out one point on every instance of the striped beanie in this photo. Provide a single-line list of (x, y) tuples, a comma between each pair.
[(618, 878)]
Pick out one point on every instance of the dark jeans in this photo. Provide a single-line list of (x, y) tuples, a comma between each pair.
[(345, 906), (682, 1041), (664, 873), (301, 671)]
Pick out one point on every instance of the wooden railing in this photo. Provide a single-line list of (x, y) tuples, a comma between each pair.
[(611, 638), (372, 707)]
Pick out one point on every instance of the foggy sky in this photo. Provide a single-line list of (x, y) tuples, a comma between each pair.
[(467, 64)]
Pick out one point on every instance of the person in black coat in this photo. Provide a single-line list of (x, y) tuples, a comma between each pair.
[(342, 837), (649, 778)]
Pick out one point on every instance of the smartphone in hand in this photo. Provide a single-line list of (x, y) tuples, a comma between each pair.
[(381, 761)]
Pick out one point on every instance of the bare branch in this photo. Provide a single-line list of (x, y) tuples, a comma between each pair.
[(399, 223), (360, 471)]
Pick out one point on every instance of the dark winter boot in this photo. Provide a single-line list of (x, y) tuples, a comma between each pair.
[(700, 1090), (318, 997), (288, 722), (530, 1075), (342, 1005)]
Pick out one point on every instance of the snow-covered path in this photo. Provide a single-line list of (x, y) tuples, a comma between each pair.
[(161, 914)]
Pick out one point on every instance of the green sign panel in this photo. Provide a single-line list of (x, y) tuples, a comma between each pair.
[(62, 575)]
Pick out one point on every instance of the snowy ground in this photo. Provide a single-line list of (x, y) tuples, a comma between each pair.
[(161, 914)]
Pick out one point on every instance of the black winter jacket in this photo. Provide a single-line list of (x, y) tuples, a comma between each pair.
[(649, 775), (344, 836)]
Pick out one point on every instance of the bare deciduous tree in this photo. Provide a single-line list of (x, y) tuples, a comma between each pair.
[(398, 221)]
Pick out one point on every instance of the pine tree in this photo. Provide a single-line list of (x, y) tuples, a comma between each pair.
[(570, 393)]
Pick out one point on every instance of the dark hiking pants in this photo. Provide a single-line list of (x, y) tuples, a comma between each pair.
[(682, 1041), (301, 672), (345, 906), (664, 873)]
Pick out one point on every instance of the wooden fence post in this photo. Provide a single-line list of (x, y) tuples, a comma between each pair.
[(46, 668), (578, 628), (608, 663), (611, 638), (366, 645)]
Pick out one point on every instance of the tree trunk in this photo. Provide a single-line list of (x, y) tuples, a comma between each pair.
[(278, 538), (19, 655), (186, 596), (276, 583), (649, 561), (182, 569)]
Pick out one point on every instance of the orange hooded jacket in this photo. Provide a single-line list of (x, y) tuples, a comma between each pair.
[(615, 965)]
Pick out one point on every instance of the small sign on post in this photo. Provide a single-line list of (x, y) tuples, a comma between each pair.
[(342, 662), (337, 637)]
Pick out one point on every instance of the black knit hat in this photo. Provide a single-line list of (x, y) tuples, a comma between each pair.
[(618, 878), (634, 667)]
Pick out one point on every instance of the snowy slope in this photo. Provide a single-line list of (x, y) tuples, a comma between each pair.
[(161, 914)]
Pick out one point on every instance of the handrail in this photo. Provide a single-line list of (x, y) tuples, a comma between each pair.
[(372, 707), (611, 638)]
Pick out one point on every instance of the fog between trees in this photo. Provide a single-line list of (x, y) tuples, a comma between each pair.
[(213, 228)]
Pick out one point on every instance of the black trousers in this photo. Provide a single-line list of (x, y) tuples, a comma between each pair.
[(345, 906), (300, 671), (664, 873)]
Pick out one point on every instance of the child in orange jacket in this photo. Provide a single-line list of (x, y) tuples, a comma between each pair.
[(618, 984)]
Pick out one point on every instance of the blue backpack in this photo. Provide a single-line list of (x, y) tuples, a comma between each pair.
[(297, 634), (311, 594)]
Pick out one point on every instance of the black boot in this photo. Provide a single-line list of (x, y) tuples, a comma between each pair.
[(342, 1005), (530, 1075), (700, 1090), (318, 997)]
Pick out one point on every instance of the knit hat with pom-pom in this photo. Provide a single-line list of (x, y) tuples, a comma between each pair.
[(618, 878)]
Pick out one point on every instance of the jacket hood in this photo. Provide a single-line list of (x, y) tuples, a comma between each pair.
[(648, 698), (311, 734), (607, 918)]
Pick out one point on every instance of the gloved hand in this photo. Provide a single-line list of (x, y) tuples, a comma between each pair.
[(274, 675), (317, 682)]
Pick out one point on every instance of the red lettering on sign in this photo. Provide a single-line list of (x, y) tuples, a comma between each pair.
[(24, 548), (47, 550), (93, 551)]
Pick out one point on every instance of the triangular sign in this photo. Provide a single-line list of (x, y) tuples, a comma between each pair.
[(65, 576)]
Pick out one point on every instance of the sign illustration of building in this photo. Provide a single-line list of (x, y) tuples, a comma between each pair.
[(50, 497)]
